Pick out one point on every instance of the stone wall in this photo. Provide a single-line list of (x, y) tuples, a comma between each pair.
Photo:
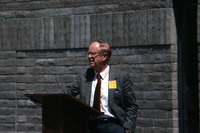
[(43, 44)]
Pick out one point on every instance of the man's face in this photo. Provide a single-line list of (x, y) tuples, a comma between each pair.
[(95, 60)]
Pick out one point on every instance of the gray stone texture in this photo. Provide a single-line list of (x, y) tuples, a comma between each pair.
[(156, 26), (43, 45)]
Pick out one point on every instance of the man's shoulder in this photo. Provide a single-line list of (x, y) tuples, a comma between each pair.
[(117, 70), (87, 73), (118, 73)]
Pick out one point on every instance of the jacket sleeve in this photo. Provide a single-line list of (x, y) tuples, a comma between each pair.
[(130, 104), (73, 89)]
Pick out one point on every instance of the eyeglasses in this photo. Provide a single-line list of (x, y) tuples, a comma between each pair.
[(93, 54)]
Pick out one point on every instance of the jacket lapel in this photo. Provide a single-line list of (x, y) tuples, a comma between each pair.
[(111, 92), (88, 87), (89, 76)]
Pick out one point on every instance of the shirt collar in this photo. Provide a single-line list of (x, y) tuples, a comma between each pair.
[(104, 72)]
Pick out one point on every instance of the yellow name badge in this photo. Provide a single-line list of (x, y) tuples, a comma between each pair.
[(112, 84)]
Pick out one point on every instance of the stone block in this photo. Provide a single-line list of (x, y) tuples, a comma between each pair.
[(65, 78), (7, 119), (7, 95), (55, 54), (163, 123), (156, 104), (7, 111), (76, 53), (7, 78), (45, 62), (7, 71), (21, 111), (21, 55), (25, 127), (21, 86), (35, 78), (7, 86), (7, 54), (154, 95), (25, 62), (74, 69), (155, 114), (145, 122), (21, 70), (7, 128), (21, 119), (34, 119), (8, 62)]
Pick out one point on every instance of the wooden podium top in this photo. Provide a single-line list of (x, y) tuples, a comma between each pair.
[(40, 98)]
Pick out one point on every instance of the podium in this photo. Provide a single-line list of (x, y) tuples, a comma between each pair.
[(63, 113)]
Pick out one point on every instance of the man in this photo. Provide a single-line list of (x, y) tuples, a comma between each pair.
[(116, 95)]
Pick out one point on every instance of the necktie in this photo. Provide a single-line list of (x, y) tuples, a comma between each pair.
[(97, 100)]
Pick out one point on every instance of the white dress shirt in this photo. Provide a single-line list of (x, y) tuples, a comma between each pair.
[(104, 92)]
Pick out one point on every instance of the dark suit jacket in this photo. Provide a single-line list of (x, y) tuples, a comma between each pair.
[(121, 100)]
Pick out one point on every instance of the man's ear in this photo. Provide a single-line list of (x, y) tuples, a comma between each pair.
[(105, 56)]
